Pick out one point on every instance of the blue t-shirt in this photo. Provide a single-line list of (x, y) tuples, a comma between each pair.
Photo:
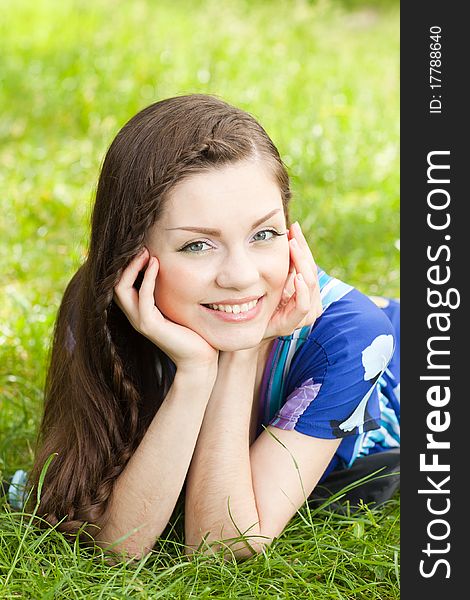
[(338, 378)]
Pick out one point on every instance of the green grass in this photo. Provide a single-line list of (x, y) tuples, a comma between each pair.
[(323, 79), (333, 556)]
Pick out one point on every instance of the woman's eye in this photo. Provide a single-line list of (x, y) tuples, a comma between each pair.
[(265, 234), (195, 247)]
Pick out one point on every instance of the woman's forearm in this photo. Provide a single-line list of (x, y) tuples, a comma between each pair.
[(145, 493), (220, 469)]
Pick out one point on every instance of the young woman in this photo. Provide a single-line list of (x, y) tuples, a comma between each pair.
[(200, 351)]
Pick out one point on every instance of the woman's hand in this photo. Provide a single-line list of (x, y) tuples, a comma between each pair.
[(300, 303), (184, 346)]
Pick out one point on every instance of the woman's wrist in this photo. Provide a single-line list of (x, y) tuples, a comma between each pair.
[(197, 373)]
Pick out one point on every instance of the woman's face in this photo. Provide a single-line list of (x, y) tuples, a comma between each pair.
[(217, 244)]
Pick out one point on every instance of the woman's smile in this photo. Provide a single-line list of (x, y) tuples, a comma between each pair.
[(235, 313)]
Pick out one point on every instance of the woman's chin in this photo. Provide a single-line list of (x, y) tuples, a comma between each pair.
[(246, 336), (234, 343)]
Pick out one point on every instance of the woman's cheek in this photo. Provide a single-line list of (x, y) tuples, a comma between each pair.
[(172, 287)]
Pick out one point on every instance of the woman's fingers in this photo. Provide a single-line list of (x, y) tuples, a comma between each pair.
[(129, 275), (126, 296), (296, 309), (302, 296), (312, 282), (146, 292), (288, 285), (303, 264), (301, 260), (299, 236)]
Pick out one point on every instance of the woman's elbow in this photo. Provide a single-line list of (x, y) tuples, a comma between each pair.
[(240, 550), (121, 550), (118, 554)]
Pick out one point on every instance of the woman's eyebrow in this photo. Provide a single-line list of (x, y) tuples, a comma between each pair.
[(216, 232)]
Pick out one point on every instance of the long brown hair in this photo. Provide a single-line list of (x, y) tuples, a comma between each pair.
[(105, 381)]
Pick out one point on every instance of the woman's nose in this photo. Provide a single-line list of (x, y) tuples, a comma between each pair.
[(237, 270)]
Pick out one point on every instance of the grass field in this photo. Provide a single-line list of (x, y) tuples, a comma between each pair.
[(323, 79)]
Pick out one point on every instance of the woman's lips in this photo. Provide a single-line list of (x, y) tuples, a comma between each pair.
[(236, 317)]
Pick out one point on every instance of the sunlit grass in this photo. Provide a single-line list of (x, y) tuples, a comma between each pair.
[(323, 79)]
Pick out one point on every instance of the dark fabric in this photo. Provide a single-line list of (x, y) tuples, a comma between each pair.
[(374, 492)]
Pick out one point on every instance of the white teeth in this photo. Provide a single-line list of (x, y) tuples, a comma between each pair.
[(235, 308)]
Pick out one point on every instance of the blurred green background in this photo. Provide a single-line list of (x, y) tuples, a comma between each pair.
[(322, 78)]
